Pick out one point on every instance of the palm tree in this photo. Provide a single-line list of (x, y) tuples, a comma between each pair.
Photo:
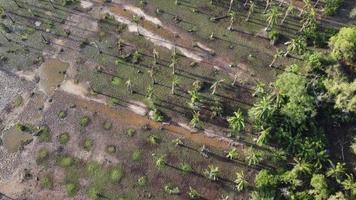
[(349, 184), (216, 108), (235, 78), (173, 60), (232, 16), (215, 86), (193, 194), (272, 17), (268, 3), (155, 56), (232, 154), (336, 171), (289, 10), (275, 57), (136, 19), (309, 20), (240, 181), (196, 122), (262, 110), (237, 121), (212, 172), (149, 92), (194, 99), (230, 6), (297, 45), (128, 84), (253, 157), (177, 142), (306, 7), (160, 160), (250, 10), (301, 166), (175, 82), (262, 138)]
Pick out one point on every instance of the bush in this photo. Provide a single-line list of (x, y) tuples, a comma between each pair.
[(136, 155), (44, 134), (42, 155), (84, 121), (116, 174), (62, 114), (142, 181), (273, 36), (47, 182), (66, 161), (111, 149), (107, 125), (154, 139), (93, 192), (64, 138), (185, 167), (71, 189), (93, 168), (131, 132), (88, 144)]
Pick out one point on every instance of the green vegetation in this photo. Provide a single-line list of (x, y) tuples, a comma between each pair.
[(47, 182), (64, 138), (84, 121)]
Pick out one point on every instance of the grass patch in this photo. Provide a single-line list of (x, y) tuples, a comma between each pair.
[(88, 144), (47, 182), (71, 189), (116, 174), (66, 161), (42, 155), (107, 125)]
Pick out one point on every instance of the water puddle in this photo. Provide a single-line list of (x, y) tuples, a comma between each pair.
[(52, 73), (13, 139)]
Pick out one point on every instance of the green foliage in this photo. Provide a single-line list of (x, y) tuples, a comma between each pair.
[(240, 181), (342, 92), (185, 167), (320, 191), (193, 194), (253, 157), (343, 44), (71, 189), (62, 114), (88, 144), (232, 154), (160, 160), (142, 181), (331, 6), (64, 138), (42, 155), (236, 122), (66, 161), (212, 173), (136, 155), (44, 134), (93, 192), (107, 125), (84, 121), (154, 139), (116, 174), (93, 168), (47, 182), (300, 105), (169, 189)]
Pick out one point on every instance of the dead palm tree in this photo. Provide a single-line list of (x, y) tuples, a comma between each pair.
[(175, 82), (230, 6), (215, 86), (289, 10), (250, 10), (232, 16), (268, 3), (155, 56), (278, 54), (136, 20), (128, 84)]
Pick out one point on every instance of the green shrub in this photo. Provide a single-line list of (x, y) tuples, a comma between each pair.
[(93, 168), (44, 134), (107, 125), (273, 36), (71, 189), (88, 144), (136, 155), (111, 149), (66, 161), (18, 101), (154, 139), (42, 155), (47, 182), (64, 138), (116, 174), (142, 181), (62, 114), (84, 121), (93, 192), (185, 167), (131, 132)]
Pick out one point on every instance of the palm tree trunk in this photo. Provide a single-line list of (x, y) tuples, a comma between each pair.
[(245, 4), (280, 3), (248, 16), (285, 17), (316, 3), (230, 7)]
